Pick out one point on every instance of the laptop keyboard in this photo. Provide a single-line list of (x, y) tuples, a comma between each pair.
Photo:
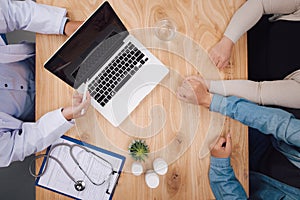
[(116, 74), (93, 59)]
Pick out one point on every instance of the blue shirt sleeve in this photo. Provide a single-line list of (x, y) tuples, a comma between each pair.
[(281, 124), (223, 181)]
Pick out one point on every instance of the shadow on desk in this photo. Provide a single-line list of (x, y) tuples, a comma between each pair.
[(16, 182)]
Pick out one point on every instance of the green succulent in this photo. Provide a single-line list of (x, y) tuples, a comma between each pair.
[(138, 149)]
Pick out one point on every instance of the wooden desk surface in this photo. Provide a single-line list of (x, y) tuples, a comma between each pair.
[(178, 132)]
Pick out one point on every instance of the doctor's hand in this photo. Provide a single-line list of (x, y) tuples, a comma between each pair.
[(71, 27), (194, 90), (220, 53), (222, 148), (79, 104)]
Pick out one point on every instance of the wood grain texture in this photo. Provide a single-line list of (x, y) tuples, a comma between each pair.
[(178, 132)]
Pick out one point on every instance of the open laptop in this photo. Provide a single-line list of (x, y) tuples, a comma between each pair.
[(118, 69)]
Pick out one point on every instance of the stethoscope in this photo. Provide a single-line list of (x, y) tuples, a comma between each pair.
[(78, 184)]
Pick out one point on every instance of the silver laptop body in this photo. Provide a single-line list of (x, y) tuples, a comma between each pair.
[(118, 70)]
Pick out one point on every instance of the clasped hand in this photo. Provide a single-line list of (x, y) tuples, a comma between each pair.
[(194, 90), (222, 148), (79, 104), (221, 52)]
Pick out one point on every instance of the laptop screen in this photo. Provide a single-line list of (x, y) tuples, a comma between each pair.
[(95, 32)]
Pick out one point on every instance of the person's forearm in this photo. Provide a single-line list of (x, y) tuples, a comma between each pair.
[(31, 16), (48, 128), (252, 10), (71, 26), (280, 93), (240, 88), (223, 181), (33, 137), (243, 19), (282, 125)]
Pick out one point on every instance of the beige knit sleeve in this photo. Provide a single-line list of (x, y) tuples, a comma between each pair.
[(252, 10), (243, 19), (280, 93), (240, 88)]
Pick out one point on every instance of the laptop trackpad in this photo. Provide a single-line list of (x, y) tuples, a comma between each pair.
[(139, 93), (134, 91), (129, 97)]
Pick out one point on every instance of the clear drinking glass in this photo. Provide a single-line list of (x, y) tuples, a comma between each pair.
[(165, 29)]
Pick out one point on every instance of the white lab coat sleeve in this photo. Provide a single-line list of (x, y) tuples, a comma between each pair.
[(32, 138), (30, 16)]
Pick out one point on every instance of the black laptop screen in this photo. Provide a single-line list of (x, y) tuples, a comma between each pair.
[(103, 24)]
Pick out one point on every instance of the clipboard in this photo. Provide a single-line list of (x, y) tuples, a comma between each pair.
[(56, 180)]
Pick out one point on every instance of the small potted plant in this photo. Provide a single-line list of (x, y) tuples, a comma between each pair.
[(138, 149)]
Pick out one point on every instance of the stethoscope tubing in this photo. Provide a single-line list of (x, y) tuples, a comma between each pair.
[(71, 146)]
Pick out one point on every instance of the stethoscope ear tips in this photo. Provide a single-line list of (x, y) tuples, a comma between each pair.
[(79, 185)]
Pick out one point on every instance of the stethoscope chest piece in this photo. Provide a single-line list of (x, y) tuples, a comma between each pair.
[(79, 185)]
